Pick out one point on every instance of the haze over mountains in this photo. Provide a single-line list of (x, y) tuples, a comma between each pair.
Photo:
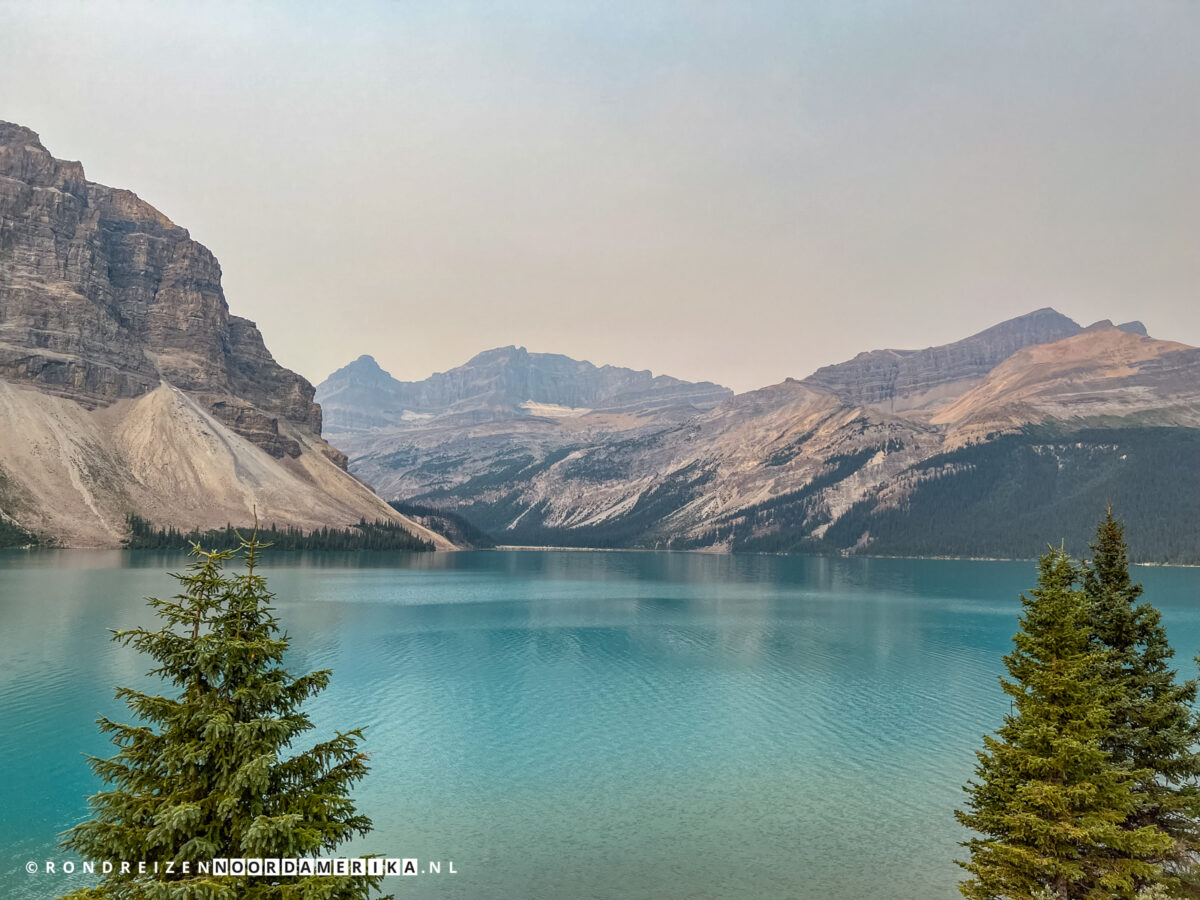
[(979, 447), (414, 437), (126, 386), (501, 384), (900, 380)]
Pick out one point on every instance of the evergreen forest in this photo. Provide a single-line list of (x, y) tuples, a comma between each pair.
[(378, 535)]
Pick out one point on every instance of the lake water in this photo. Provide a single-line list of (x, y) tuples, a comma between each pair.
[(582, 725)]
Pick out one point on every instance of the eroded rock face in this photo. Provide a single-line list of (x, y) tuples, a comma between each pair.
[(257, 427), (503, 384), (899, 380), (102, 297), (126, 386), (502, 409)]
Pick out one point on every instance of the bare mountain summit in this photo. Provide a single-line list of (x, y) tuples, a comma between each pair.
[(986, 446), (901, 380), (127, 386), (505, 383), (500, 409)]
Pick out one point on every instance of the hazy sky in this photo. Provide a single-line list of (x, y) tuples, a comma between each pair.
[(735, 191)]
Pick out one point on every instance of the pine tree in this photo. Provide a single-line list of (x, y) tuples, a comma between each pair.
[(206, 773), (1151, 728), (1049, 805)]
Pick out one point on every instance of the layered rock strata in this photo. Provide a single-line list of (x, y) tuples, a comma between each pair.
[(127, 386)]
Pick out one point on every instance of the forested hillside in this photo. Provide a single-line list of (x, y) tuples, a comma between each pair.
[(1008, 496)]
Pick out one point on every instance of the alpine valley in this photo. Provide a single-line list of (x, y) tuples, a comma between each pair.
[(126, 386), (981, 448), (130, 393)]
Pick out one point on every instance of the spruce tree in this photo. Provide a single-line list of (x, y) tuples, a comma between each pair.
[(1151, 728), (1048, 804), (206, 773)]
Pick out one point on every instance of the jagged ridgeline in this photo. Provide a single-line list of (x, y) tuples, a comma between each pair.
[(378, 535), (988, 446)]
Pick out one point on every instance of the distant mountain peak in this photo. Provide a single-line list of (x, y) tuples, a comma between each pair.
[(1134, 327), (499, 354), (367, 364), (841, 460), (365, 368), (504, 384), (911, 379)]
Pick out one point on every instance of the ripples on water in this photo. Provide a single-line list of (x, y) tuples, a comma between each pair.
[(591, 725)]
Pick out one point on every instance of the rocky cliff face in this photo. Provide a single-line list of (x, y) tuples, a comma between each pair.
[(102, 297), (900, 380), (127, 386)]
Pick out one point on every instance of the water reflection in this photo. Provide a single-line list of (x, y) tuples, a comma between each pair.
[(537, 715)]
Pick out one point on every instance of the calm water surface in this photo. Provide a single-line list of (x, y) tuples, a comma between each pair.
[(582, 725)]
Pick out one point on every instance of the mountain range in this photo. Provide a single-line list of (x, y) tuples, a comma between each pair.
[(126, 385), (129, 390), (988, 446), (414, 438)]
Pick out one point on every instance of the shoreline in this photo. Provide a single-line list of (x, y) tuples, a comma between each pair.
[(534, 548), (525, 548)]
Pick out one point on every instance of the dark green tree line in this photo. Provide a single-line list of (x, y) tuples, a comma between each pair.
[(378, 535)]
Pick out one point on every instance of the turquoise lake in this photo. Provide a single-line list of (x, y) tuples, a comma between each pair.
[(582, 725)]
